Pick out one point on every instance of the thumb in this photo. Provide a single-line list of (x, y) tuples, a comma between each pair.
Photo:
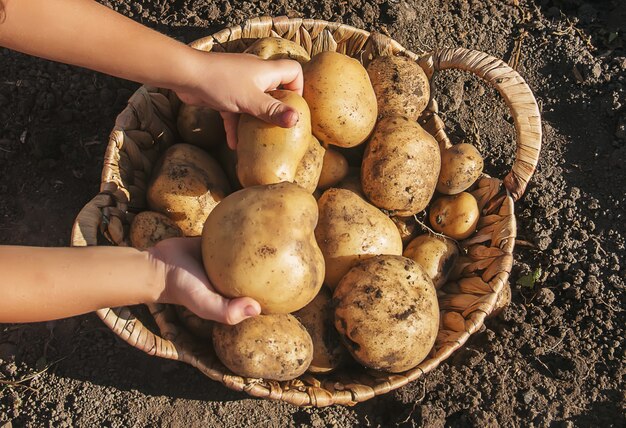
[(275, 112), (226, 311)]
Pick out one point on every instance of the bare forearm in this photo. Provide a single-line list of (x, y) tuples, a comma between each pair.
[(85, 33), (39, 284)]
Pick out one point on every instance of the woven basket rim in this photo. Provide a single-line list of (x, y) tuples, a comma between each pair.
[(108, 210)]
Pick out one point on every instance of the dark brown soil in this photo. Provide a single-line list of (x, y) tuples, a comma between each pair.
[(555, 357)]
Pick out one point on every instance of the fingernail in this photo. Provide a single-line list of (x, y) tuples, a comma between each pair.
[(250, 311), (289, 118)]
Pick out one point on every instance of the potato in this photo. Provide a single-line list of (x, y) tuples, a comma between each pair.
[(201, 126), (268, 154), (334, 169), (187, 184), (275, 347), (461, 165), (278, 48), (352, 183), (400, 166), (350, 229), (401, 86), (407, 226), (387, 313), (318, 319), (341, 99), (197, 326), (310, 167), (455, 216), (437, 255), (149, 227), (259, 242)]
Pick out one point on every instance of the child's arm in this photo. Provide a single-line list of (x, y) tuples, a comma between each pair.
[(85, 33), (38, 284)]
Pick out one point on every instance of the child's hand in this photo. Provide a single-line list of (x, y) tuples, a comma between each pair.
[(237, 83), (187, 284)]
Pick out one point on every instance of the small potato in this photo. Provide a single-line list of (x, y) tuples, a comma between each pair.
[(259, 242), (407, 226), (387, 313), (278, 48), (334, 169), (310, 169), (317, 317), (435, 254), (149, 227), (196, 325), (275, 347), (268, 154), (201, 126), (187, 184), (341, 98), (400, 166), (350, 229), (455, 216), (401, 86), (461, 165)]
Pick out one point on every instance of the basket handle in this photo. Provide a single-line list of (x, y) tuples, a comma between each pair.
[(120, 320), (519, 99)]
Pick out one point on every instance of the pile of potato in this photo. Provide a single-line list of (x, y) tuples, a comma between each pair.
[(317, 222)]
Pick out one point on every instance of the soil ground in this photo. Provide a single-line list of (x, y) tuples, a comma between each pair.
[(554, 358)]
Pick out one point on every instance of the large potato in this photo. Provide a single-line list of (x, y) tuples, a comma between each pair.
[(310, 168), (318, 319), (387, 313), (149, 227), (437, 255), (259, 242), (268, 154), (400, 166), (341, 98), (455, 216), (273, 347), (278, 48), (350, 229), (187, 184), (201, 126), (401, 86), (461, 165)]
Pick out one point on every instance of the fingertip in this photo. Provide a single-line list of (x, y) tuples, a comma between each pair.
[(288, 118), (242, 308)]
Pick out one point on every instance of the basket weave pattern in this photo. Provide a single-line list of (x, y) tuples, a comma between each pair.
[(148, 126)]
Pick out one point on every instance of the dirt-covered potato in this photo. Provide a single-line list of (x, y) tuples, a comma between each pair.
[(196, 325), (401, 86), (455, 216), (187, 184), (268, 154), (310, 168), (461, 165), (275, 347), (400, 166), (341, 99), (334, 169), (259, 242), (201, 126), (350, 229), (318, 319), (387, 313), (437, 255), (278, 48), (149, 227)]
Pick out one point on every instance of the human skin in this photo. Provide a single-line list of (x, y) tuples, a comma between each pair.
[(39, 284)]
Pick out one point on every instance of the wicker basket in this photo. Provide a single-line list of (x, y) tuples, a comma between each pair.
[(147, 127)]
